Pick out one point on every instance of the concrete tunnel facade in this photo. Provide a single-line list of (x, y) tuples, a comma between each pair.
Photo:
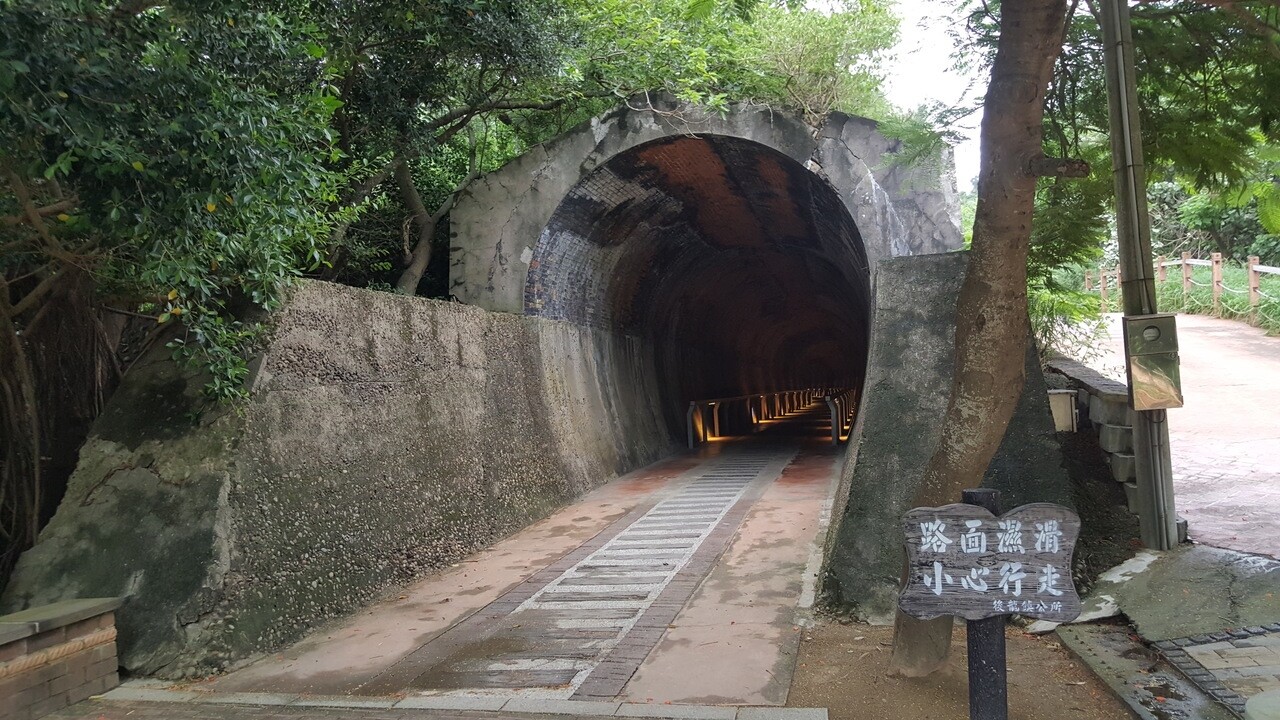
[(739, 248)]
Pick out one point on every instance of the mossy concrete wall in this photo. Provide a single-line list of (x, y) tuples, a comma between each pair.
[(386, 436), (909, 376)]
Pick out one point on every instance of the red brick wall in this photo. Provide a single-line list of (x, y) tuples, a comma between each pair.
[(50, 670)]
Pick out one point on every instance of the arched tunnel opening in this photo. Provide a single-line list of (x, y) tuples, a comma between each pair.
[(739, 269)]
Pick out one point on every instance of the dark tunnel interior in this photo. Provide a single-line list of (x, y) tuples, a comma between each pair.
[(740, 268)]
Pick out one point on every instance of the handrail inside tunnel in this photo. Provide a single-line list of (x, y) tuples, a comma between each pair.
[(760, 408), (843, 406)]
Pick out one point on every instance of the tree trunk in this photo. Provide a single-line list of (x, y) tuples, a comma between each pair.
[(418, 259), (991, 313), (20, 481), (426, 222), (335, 254)]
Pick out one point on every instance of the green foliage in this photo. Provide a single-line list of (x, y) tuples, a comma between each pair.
[(820, 61), (1071, 221), (686, 53), (399, 66), (968, 211), (1206, 73), (702, 9), (194, 186), (1063, 319), (1206, 221), (707, 53), (925, 137), (208, 152), (376, 244)]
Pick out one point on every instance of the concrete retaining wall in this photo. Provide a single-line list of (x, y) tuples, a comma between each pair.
[(230, 533), (909, 378)]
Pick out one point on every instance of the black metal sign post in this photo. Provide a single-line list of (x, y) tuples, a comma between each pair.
[(969, 561), (988, 677)]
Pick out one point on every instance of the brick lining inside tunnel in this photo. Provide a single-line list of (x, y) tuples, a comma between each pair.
[(740, 267)]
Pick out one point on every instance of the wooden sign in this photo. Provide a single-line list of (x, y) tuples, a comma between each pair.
[(965, 561)]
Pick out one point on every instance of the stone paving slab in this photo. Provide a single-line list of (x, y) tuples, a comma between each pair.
[(1152, 688), (258, 698), (137, 710), (763, 713), (1232, 666), (679, 712), (562, 707), (452, 703), (143, 703)]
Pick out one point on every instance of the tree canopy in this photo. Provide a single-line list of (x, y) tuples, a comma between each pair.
[(1205, 71)]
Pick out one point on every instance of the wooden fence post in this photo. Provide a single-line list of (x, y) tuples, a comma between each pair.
[(1255, 287), (1119, 276), (1186, 273), (1102, 288), (1217, 284), (1088, 280), (1161, 273)]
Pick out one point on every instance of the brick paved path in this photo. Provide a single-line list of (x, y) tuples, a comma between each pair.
[(581, 627), (1225, 441), (1232, 666), (1246, 666)]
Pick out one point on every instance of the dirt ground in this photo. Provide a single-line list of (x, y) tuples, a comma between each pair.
[(843, 668)]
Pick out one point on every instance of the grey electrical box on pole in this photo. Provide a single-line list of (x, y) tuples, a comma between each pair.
[(1151, 358), (1133, 229)]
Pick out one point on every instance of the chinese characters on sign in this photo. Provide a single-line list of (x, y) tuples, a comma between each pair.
[(965, 561)]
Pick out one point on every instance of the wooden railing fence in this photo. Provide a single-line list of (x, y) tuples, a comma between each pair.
[(1099, 282)]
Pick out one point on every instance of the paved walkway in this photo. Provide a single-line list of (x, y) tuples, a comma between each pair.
[(676, 591), (1232, 666), (1225, 441)]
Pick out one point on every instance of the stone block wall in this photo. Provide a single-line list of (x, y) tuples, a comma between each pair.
[(1103, 407), (56, 655)]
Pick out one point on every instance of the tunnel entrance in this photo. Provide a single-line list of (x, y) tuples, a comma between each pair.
[(740, 270)]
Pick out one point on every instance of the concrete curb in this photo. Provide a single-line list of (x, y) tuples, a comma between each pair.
[(806, 609), (508, 706)]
